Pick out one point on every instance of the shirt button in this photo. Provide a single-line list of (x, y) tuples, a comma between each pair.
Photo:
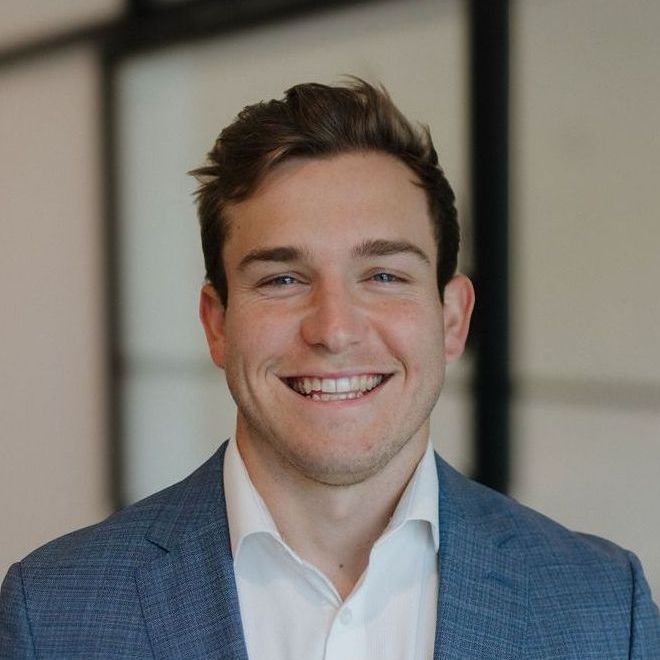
[(346, 616)]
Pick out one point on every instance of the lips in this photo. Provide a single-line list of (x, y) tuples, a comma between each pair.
[(335, 389)]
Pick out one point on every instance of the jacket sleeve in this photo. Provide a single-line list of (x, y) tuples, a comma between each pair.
[(645, 622), (15, 635)]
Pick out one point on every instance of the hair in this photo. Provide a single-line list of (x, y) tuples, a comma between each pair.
[(317, 121)]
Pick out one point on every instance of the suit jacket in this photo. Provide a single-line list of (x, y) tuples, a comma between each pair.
[(157, 580)]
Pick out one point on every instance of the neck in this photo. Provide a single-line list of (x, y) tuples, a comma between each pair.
[(332, 527)]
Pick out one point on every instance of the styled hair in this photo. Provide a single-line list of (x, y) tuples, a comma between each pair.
[(317, 121)]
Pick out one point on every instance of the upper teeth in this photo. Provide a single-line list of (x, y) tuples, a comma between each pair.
[(362, 383)]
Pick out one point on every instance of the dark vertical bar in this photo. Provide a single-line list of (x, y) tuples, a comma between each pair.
[(489, 65), (111, 265)]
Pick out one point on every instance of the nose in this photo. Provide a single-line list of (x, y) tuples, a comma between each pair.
[(334, 320)]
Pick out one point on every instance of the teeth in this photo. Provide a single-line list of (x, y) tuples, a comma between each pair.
[(342, 396), (344, 385), (335, 389), (329, 385)]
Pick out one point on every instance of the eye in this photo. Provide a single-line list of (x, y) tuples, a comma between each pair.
[(385, 277), (280, 281)]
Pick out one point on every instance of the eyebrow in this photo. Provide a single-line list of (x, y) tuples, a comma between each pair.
[(283, 253), (368, 248), (383, 248)]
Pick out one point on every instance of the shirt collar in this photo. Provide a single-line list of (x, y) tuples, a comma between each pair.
[(247, 513), (419, 500)]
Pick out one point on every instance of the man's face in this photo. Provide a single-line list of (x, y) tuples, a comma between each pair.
[(334, 339)]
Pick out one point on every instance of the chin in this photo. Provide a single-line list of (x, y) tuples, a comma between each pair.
[(347, 467)]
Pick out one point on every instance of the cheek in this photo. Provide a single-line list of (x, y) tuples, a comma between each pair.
[(256, 340), (415, 335), (418, 318)]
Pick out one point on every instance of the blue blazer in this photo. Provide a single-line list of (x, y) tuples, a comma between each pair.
[(157, 580)]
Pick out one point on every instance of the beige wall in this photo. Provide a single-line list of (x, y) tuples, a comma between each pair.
[(53, 467), (23, 20)]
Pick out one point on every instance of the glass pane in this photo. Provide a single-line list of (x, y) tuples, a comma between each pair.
[(174, 421), (586, 158)]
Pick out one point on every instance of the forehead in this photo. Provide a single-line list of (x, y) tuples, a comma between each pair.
[(332, 203)]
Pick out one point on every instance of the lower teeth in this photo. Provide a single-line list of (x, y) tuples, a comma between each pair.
[(324, 396)]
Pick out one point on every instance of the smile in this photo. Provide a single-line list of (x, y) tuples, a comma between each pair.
[(336, 389)]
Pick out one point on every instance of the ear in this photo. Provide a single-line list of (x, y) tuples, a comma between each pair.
[(457, 310), (212, 316)]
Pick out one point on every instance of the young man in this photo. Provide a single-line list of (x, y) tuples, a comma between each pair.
[(326, 527)]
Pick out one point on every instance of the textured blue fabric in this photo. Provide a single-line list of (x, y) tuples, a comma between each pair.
[(156, 581)]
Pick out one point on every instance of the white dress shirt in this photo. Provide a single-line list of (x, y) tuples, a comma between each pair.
[(291, 611)]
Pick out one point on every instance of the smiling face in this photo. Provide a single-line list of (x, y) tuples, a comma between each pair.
[(334, 339)]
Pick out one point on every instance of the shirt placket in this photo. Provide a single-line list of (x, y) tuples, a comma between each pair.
[(347, 638)]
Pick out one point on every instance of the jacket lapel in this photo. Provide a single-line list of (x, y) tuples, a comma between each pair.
[(482, 595), (190, 602), (188, 594)]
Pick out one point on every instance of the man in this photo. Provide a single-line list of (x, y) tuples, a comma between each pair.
[(326, 527)]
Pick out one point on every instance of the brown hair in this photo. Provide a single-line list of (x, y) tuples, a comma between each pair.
[(317, 121)]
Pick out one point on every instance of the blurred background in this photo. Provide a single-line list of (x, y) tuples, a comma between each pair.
[(544, 115)]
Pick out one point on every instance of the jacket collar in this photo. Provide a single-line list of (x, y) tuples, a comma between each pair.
[(482, 601), (190, 602), (188, 595)]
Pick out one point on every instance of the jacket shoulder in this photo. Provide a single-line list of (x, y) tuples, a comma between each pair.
[(580, 589), (77, 596), (541, 539), (123, 536)]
